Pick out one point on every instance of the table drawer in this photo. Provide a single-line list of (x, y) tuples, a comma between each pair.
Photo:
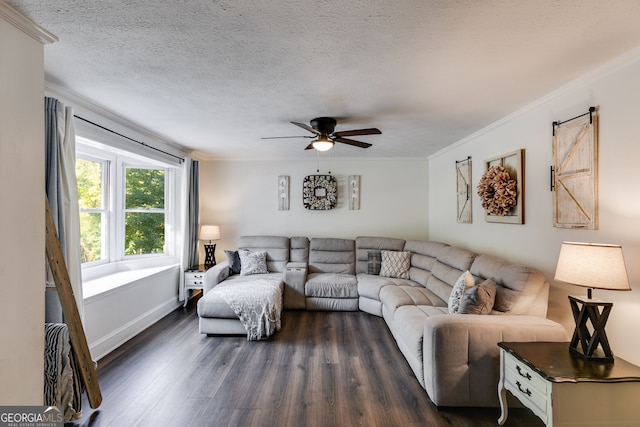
[(194, 280), (527, 385)]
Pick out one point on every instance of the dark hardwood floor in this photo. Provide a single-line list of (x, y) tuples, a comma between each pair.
[(321, 369)]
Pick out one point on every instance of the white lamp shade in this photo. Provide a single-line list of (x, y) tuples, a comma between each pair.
[(209, 232), (593, 266)]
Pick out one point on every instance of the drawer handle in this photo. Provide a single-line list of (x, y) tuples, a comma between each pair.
[(527, 391), (525, 375)]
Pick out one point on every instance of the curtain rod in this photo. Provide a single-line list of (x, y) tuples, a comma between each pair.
[(130, 139), (590, 113)]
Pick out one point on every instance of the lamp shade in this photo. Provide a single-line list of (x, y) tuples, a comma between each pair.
[(592, 265), (209, 232)]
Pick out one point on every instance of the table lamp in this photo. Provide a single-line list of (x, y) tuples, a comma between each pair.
[(209, 232), (592, 266)]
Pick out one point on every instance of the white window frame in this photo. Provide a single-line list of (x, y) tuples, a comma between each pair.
[(114, 226)]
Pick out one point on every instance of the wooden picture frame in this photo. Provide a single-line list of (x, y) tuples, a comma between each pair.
[(513, 162), (354, 192), (463, 191), (283, 193)]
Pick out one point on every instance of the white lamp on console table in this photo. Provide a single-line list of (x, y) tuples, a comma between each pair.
[(209, 232), (592, 266)]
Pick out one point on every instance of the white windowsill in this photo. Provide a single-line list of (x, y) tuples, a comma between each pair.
[(103, 280)]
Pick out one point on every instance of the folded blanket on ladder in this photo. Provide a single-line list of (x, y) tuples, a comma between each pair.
[(257, 303)]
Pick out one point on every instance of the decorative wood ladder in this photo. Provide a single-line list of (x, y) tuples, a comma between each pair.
[(70, 311)]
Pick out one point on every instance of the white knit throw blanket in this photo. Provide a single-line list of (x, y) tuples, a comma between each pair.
[(257, 303)]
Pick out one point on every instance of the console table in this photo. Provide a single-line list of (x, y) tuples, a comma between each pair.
[(563, 389)]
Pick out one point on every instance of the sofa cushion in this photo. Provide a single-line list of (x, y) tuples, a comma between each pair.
[(464, 282), (369, 285), (332, 256), (393, 297), (451, 263), (331, 285), (478, 299), (395, 264), (277, 248), (520, 289), (253, 262), (212, 305), (299, 247), (423, 257), (374, 262)]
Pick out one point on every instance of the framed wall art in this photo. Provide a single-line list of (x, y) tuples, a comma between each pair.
[(319, 192), (354, 192), (463, 189), (283, 193), (501, 188), (574, 174)]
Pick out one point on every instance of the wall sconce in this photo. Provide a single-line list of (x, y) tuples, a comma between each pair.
[(592, 266), (209, 232)]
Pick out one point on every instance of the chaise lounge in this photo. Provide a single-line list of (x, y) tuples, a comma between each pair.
[(454, 356)]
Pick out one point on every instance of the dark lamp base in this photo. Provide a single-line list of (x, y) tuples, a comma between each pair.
[(587, 339), (210, 257)]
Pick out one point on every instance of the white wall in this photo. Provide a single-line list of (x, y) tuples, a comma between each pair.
[(22, 253), (242, 198), (615, 90), (114, 317)]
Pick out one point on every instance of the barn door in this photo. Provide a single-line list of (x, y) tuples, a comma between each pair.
[(575, 150)]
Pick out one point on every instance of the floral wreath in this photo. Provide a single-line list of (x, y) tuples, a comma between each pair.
[(497, 191)]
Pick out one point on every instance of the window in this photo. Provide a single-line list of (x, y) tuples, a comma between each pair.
[(125, 205)]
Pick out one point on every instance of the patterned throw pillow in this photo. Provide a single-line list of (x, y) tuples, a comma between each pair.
[(464, 282), (374, 261), (478, 299), (233, 258), (395, 264), (253, 262)]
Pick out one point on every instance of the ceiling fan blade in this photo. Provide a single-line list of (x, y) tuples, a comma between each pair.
[(353, 142), (369, 131), (306, 127), (309, 147), (280, 137)]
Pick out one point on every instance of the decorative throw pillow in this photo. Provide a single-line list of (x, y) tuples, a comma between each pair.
[(253, 262), (233, 257), (464, 282), (478, 299), (395, 264), (374, 261)]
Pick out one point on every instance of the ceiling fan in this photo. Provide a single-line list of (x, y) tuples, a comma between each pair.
[(324, 129)]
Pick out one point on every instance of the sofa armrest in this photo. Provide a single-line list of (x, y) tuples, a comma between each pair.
[(216, 274), (295, 276), (462, 359)]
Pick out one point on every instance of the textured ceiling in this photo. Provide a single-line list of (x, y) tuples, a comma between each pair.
[(216, 76)]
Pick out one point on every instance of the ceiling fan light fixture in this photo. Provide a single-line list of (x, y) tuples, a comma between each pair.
[(322, 143)]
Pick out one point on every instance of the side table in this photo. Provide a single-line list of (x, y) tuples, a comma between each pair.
[(563, 389), (193, 279)]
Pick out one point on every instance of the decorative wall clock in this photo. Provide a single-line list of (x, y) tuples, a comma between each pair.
[(319, 192)]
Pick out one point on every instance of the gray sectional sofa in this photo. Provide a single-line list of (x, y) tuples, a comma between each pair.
[(455, 357)]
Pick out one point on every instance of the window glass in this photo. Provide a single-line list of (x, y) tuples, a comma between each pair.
[(144, 211), (90, 175)]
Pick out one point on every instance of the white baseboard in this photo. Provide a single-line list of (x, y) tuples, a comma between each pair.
[(115, 339)]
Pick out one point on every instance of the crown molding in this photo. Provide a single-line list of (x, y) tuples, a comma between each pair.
[(596, 74), (25, 25)]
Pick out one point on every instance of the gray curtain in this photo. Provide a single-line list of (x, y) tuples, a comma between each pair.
[(190, 206), (62, 193), (194, 208)]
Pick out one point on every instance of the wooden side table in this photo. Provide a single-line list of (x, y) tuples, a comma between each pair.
[(193, 280), (563, 389)]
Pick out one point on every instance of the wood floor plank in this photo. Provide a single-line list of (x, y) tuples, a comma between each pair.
[(322, 369)]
